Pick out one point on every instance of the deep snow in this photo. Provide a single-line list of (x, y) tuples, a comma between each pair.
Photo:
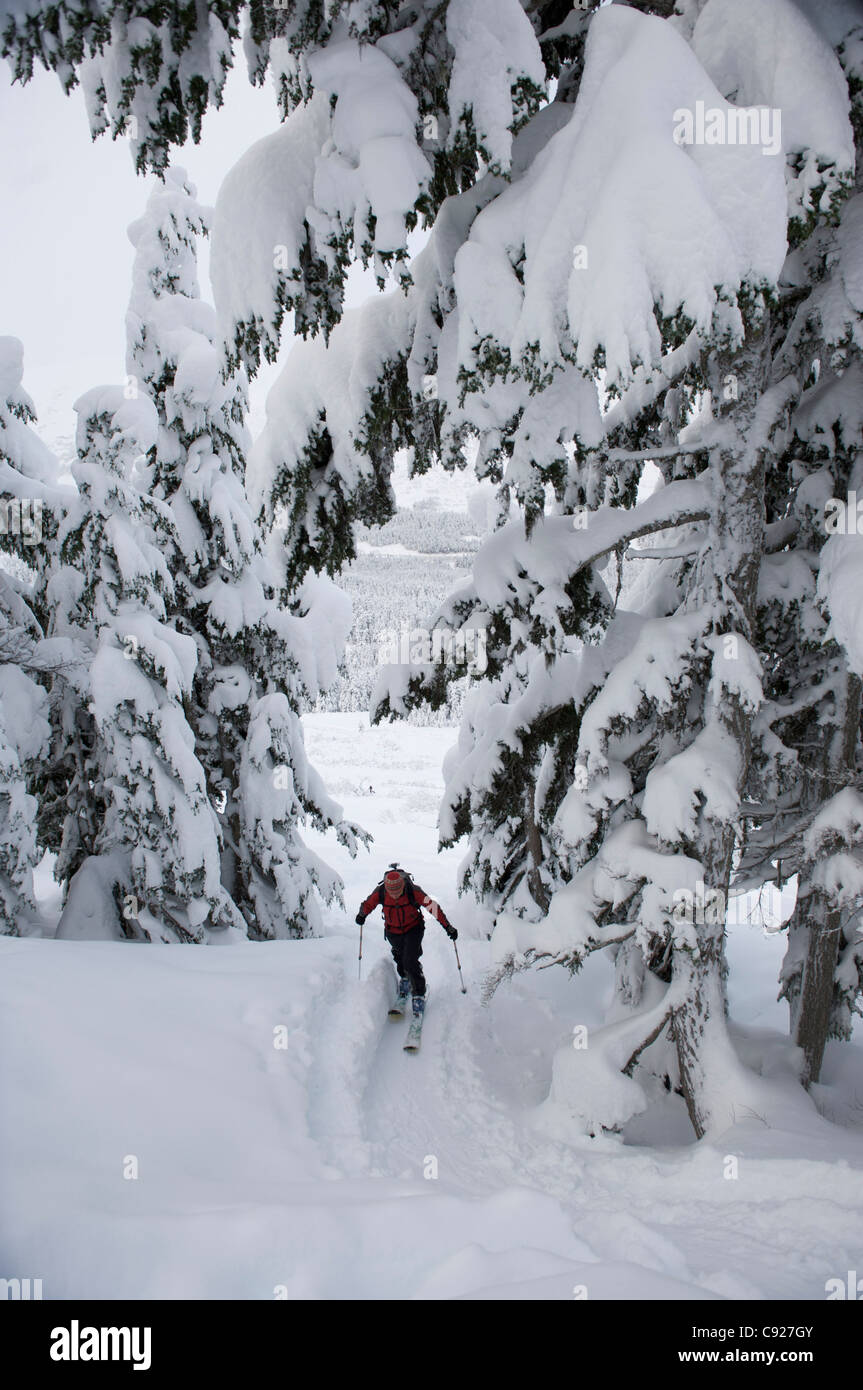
[(308, 1171)]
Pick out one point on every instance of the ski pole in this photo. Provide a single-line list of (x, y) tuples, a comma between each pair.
[(360, 964), (458, 963)]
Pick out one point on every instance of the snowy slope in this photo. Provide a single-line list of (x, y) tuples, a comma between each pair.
[(303, 1169)]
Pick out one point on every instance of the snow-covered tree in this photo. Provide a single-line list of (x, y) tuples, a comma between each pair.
[(24, 733), (137, 797), (28, 505), (809, 779), (28, 492), (693, 744), (265, 645), (23, 738)]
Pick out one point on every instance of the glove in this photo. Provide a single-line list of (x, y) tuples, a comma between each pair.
[(451, 933), (359, 919)]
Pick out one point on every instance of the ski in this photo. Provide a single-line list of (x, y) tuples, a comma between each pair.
[(412, 1043)]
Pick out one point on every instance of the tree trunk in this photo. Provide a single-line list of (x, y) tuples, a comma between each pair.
[(816, 993), (534, 849), (812, 1008), (700, 1032)]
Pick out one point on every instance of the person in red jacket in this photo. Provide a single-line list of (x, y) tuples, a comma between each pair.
[(401, 901)]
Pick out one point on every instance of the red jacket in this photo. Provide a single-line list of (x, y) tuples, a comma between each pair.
[(400, 914)]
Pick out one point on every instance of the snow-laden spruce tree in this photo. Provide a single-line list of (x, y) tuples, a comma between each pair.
[(265, 645), (681, 700), (28, 487), (22, 739), (807, 811), (28, 500), (138, 815)]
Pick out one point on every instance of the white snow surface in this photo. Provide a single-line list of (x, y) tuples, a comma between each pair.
[(303, 1171)]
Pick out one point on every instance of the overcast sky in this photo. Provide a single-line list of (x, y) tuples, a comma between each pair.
[(65, 259)]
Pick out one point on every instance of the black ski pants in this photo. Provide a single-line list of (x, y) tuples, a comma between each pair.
[(407, 947)]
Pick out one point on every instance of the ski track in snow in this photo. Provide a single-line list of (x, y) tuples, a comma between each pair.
[(442, 1110), (668, 1217), (311, 1167)]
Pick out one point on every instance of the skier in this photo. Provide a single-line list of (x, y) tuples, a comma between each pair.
[(403, 928)]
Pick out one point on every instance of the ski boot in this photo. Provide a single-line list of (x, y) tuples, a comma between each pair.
[(398, 1008)]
